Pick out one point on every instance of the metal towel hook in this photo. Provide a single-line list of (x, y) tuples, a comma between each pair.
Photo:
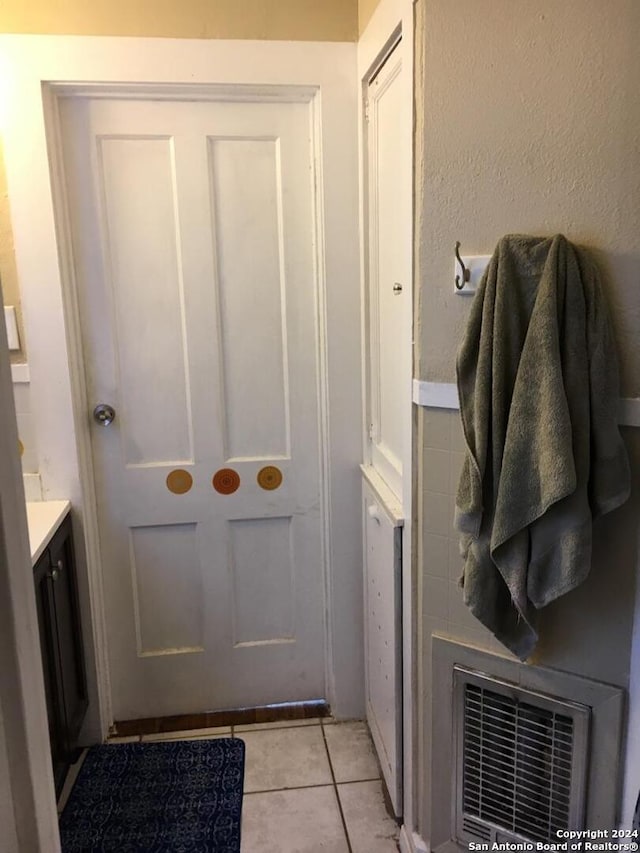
[(466, 274)]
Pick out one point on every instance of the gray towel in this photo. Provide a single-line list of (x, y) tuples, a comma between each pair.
[(538, 388)]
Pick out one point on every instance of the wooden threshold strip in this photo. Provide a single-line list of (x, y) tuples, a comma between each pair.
[(211, 719)]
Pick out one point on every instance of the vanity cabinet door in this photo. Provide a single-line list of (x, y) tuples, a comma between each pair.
[(61, 647), (72, 677), (48, 648)]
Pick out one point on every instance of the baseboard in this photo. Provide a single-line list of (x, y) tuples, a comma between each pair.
[(406, 845), (410, 842)]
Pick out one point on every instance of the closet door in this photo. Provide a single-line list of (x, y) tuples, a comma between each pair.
[(388, 362), (389, 265)]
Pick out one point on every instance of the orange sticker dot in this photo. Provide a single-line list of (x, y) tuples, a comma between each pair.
[(179, 481), (269, 477), (226, 481)]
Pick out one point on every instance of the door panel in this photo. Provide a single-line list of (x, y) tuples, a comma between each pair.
[(262, 565), (193, 231), (383, 621), (136, 183), (247, 195), (167, 589)]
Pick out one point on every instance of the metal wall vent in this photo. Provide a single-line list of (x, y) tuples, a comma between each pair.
[(521, 761), (476, 829)]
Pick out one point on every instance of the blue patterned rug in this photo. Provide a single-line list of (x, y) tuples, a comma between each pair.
[(178, 797)]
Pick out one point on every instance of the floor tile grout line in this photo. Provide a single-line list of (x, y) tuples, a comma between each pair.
[(257, 727), (232, 734), (335, 789), (266, 727), (315, 785), (254, 727), (291, 788)]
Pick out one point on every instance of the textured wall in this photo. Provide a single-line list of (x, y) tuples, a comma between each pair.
[(307, 20), (528, 121), (587, 632)]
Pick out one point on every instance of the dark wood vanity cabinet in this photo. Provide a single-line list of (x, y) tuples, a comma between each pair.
[(61, 645)]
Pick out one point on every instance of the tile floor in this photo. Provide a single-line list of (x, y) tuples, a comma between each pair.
[(311, 786)]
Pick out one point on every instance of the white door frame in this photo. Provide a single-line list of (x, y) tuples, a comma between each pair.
[(33, 69), (392, 19)]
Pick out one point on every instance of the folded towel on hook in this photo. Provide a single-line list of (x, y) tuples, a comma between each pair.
[(538, 387)]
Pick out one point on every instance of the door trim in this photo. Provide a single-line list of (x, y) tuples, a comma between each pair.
[(80, 403), (39, 67)]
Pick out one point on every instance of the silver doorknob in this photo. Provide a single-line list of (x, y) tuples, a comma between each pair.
[(397, 288), (104, 414)]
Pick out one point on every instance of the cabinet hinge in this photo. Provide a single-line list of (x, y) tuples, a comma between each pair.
[(366, 111)]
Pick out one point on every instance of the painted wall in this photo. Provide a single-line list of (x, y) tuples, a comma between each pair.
[(632, 770), (300, 20), (366, 8), (530, 123), (7, 818), (303, 20), (8, 274)]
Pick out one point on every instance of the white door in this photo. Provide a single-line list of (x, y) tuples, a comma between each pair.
[(389, 285), (388, 298), (193, 228)]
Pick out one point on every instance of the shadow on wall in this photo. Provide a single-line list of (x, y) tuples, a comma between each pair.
[(589, 630)]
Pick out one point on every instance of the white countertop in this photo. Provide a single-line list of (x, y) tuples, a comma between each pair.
[(44, 518)]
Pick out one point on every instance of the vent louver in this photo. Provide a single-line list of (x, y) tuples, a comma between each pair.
[(476, 829), (520, 761)]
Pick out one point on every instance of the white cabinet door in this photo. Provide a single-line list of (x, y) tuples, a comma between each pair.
[(383, 624), (193, 227), (389, 284), (386, 483)]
